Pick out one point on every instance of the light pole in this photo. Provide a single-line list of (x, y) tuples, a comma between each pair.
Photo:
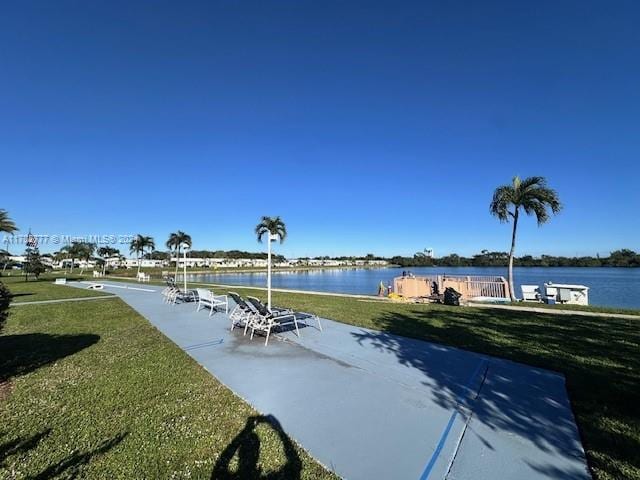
[(184, 266), (272, 238)]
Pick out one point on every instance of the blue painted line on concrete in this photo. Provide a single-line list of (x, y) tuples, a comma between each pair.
[(443, 437), (212, 343)]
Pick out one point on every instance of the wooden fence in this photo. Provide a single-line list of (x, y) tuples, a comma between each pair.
[(470, 286)]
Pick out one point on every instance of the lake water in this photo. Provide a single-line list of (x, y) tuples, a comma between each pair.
[(611, 287)]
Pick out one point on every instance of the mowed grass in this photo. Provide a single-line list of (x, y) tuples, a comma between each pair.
[(97, 392), (44, 289), (600, 357)]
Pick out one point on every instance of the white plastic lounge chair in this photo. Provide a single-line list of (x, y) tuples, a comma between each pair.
[(60, 281), (206, 299), (242, 313), (176, 294), (300, 316), (265, 321), (530, 293)]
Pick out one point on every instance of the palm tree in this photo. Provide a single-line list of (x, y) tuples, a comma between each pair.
[(73, 251), (532, 196), (138, 245), (86, 251), (275, 229), (8, 226), (175, 243), (107, 252)]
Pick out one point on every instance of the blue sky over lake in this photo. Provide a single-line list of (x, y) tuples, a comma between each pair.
[(376, 127)]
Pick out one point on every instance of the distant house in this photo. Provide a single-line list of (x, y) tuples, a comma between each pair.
[(144, 263)]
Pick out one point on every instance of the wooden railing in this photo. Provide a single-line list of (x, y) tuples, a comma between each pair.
[(469, 286)]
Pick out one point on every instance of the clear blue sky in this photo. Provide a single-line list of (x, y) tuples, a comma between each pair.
[(368, 126)]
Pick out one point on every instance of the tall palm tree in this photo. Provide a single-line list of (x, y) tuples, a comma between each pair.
[(73, 251), (86, 251), (8, 226), (139, 244), (275, 229), (534, 197), (175, 243), (107, 252)]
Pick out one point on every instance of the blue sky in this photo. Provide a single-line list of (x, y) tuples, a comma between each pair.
[(376, 127)]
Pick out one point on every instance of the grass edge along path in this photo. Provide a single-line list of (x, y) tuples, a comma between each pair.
[(98, 392)]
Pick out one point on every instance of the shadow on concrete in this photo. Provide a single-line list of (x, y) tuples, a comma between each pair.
[(599, 357), (24, 353), (247, 446)]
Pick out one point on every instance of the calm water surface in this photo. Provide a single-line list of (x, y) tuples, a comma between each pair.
[(612, 287)]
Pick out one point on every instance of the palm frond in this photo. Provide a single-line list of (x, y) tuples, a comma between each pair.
[(6, 224), (271, 225), (503, 196)]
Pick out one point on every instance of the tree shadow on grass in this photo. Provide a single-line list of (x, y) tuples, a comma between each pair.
[(23, 294), (71, 465), (20, 445), (599, 357), (23, 353), (247, 446)]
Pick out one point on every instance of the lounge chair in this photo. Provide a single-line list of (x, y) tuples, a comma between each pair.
[(143, 277), (60, 281), (300, 316), (172, 293), (265, 321), (242, 313), (206, 299)]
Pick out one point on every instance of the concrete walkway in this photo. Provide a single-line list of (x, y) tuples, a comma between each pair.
[(371, 405)]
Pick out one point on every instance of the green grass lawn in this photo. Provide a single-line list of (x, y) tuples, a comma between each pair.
[(97, 392), (600, 357), (580, 308), (43, 289)]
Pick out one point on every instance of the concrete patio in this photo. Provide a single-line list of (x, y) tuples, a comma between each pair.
[(369, 405)]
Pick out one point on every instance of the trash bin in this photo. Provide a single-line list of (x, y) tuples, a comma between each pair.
[(451, 297)]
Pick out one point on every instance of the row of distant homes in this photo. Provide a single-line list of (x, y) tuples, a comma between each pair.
[(120, 262)]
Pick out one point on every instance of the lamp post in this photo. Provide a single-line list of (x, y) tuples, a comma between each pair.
[(272, 238), (184, 266)]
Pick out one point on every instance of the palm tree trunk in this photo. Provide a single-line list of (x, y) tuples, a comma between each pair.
[(175, 276), (139, 261), (513, 249), (6, 260)]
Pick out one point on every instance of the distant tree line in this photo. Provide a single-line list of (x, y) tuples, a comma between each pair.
[(232, 254), (618, 258)]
